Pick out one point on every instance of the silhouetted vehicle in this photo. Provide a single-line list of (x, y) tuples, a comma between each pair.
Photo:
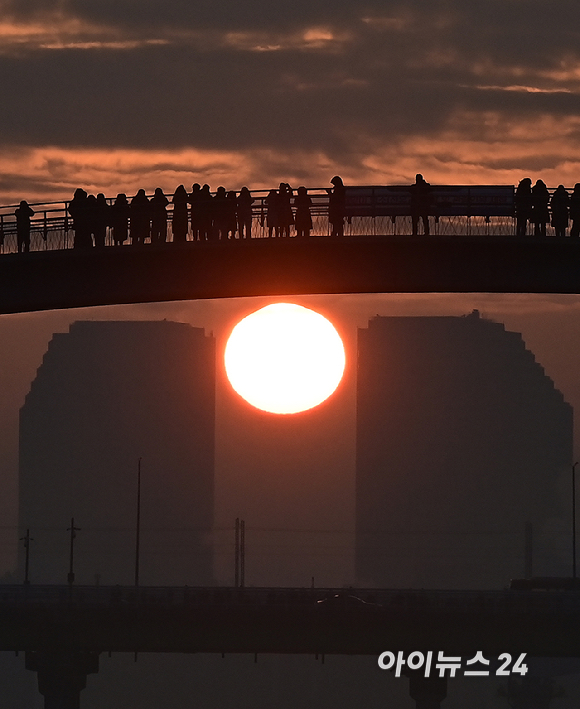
[(345, 600), (120, 219), (78, 208), (303, 217), (336, 206), (102, 219), (23, 214), (575, 211), (194, 200), (245, 201), (179, 220), (559, 206), (139, 218), (158, 205), (523, 204), (540, 207), (421, 206)]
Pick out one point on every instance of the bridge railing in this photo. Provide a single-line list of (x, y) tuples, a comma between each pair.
[(52, 226)]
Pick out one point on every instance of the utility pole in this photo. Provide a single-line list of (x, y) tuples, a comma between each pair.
[(237, 553), (26, 541), (73, 530), (242, 553), (138, 527)]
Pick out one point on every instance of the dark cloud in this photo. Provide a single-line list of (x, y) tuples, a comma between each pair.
[(301, 76)]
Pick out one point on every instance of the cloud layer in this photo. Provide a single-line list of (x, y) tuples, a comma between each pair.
[(465, 91)]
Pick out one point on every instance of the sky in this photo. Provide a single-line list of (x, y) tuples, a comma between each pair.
[(117, 95)]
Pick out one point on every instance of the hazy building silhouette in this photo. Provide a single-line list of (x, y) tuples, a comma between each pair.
[(107, 394), (461, 439)]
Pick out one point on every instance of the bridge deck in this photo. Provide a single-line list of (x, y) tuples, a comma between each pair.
[(275, 620), (280, 267)]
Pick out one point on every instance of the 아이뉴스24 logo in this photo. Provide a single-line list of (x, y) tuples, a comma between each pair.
[(477, 666)]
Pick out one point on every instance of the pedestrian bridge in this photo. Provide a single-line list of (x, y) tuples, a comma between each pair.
[(472, 248)]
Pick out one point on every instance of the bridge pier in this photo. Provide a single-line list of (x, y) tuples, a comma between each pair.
[(62, 675), (428, 692)]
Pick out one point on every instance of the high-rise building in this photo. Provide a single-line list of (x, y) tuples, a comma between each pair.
[(107, 395), (462, 440)]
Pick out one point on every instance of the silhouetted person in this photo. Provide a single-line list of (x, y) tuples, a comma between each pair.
[(524, 206), (273, 213), (559, 206), (179, 219), (245, 201), (120, 219), (139, 218), (91, 209), (158, 205), (205, 214), (575, 211), (220, 213), (78, 208), (540, 207), (336, 206), (420, 204), (231, 215), (23, 214), (286, 218), (102, 219), (194, 200), (303, 217)]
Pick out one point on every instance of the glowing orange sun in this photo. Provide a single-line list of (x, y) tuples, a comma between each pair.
[(284, 358)]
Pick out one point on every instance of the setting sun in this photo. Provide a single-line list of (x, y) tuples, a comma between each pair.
[(284, 358)]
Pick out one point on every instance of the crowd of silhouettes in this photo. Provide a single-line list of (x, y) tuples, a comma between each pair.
[(200, 216), (197, 215), (534, 205)]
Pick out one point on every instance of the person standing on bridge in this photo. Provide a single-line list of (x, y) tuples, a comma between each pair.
[(179, 221), (23, 214), (158, 205), (102, 219), (420, 204), (140, 218), (245, 201), (559, 206), (303, 218), (285, 216), (120, 219), (575, 211), (523, 205), (194, 200), (79, 211), (205, 214), (336, 206), (540, 207), (272, 202)]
